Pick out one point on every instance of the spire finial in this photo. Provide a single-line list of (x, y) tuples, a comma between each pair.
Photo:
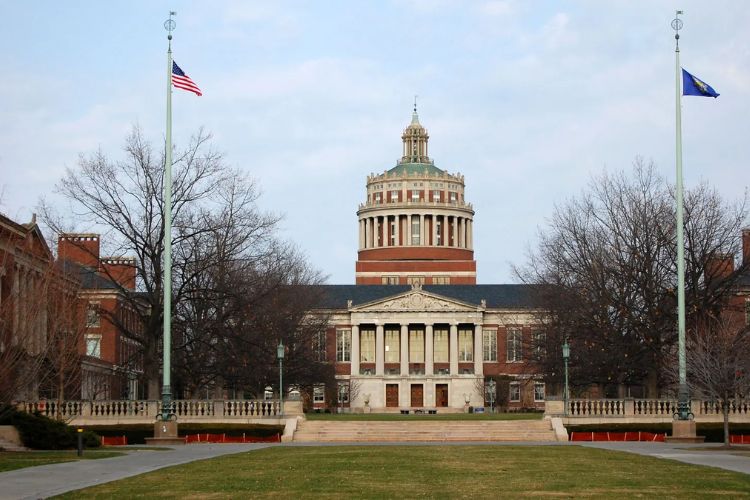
[(677, 26), (414, 116), (170, 25)]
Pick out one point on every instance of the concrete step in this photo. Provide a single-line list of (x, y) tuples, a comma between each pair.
[(418, 430)]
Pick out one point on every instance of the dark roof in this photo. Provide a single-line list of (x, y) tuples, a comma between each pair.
[(90, 279), (496, 296)]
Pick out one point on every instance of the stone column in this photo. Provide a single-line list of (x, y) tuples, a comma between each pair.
[(460, 232), (421, 229), (379, 351), (404, 344), (478, 352), (429, 351), (453, 349), (355, 350), (434, 229), (361, 232), (470, 235), (376, 232), (368, 232), (454, 243), (397, 226)]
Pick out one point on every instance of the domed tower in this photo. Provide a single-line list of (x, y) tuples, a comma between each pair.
[(415, 226)]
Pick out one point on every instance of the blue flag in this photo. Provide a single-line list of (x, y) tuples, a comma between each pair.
[(692, 85)]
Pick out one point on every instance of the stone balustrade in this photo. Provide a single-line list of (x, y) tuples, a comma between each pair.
[(628, 410), (144, 411)]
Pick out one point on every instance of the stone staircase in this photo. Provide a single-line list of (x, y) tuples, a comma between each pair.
[(424, 430)]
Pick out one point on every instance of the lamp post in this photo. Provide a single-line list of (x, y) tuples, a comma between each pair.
[(280, 357), (492, 385), (566, 357)]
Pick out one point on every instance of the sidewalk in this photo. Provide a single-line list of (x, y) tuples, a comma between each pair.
[(713, 456), (48, 480)]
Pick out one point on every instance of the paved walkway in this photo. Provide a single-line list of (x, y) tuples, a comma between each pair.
[(709, 454), (48, 480)]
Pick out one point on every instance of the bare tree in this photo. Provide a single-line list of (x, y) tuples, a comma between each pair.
[(607, 275), (718, 363), (231, 274)]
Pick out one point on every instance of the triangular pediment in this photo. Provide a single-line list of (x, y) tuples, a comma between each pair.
[(416, 300)]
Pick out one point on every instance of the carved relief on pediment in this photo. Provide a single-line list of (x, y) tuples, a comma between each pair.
[(417, 302)]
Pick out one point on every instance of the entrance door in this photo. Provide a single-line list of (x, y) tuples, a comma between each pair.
[(391, 395), (441, 395), (417, 395)]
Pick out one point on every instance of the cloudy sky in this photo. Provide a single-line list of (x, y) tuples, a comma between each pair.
[(526, 99)]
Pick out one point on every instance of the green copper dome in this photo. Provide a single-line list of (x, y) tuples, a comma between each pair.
[(416, 168)]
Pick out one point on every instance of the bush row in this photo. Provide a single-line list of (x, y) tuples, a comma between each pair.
[(41, 433)]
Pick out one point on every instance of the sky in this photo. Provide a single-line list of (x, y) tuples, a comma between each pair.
[(528, 100)]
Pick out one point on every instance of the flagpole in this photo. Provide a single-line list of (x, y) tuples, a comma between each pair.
[(166, 395), (683, 405)]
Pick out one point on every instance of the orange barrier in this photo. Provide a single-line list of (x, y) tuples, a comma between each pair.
[(114, 440), (223, 438), (739, 439), (617, 436)]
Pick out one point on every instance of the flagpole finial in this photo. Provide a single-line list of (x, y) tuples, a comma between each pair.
[(170, 25), (677, 26)]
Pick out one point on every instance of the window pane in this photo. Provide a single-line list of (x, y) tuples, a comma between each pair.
[(489, 345), (93, 346), (515, 391), (538, 391), (343, 345), (416, 346), (440, 342), (514, 344), (392, 346), (367, 346), (465, 345)]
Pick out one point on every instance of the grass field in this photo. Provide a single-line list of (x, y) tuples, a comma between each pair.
[(11, 460), (438, 416), (429, 472)]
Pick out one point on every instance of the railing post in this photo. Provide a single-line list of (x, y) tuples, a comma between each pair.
[(219, 408), (629, 408), (152, 408)]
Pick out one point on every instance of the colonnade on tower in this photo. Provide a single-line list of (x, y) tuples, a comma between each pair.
[(415, 225)]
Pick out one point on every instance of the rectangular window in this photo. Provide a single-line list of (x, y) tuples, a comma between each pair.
[(319, 394), (415, 280), (392, 345), (489, 345), (319, 346), (514, 392), (747, 311), (343, 345), (92, 315), (514, 344), (538, 391), (415, 196), (439, 233), (94, 346), (416, 346), (377, 198), (389, 280), (453, 197), (367, 346), (441, 280), (393, 233), (440, 345), (394, 196), (540, 343), (415, 230), (465, 345)]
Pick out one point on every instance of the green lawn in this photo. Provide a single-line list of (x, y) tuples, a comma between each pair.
[(11, 460), (429, 472), (438, 416)]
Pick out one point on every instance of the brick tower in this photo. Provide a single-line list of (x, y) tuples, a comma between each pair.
[(415, 226)]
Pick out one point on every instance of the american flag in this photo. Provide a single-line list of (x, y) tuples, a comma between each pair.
[(182, 81)]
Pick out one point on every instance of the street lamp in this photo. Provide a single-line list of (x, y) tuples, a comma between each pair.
[(492, 385), (566, 357), (280, 357)]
